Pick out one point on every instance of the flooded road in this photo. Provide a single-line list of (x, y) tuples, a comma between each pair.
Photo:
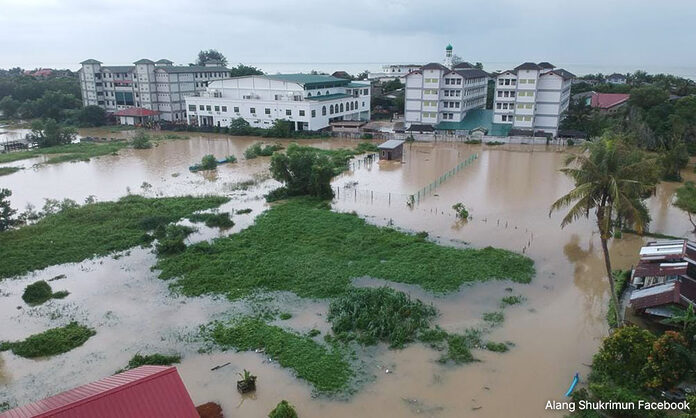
[(508, 191)]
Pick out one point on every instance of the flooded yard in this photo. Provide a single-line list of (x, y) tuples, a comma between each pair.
[(508, 191)]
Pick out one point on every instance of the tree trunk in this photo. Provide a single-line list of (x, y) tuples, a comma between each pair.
[(607, 263), (692, 221)]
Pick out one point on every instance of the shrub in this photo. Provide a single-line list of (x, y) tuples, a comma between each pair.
[(231, 159), (511, 300), (304, 171), (243, 211), (364, 147), (141, 140), (220, 220), (366, 136), (208, 162), (458, 350), (570, 142), (151, 360), (258, 150), (668, 361), (285, 316), (494, 318), (460, 211), (37, 293), (172, 241), (283, 410), (497, 347), (382, 314), (623, 356), (54, 341)]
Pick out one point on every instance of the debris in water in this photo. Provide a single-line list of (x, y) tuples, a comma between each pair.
[(58, 277), (220, 366), (476, 408), (418, 407), (388, 371)]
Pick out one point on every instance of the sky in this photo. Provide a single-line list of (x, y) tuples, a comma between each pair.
[(611, 34)]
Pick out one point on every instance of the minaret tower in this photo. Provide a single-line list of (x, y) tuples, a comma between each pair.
[(448, 56)]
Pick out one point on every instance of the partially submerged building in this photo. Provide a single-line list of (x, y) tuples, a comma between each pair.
[(532, 97), (664, 278), (309, 101), (145, 392), (391, 150), (436, 93), (154, 85)]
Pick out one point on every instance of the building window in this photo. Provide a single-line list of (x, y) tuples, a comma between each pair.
[(327, 92), (314, 113), (207, 107), (500, 82), (500, 94), (252, 110), (498, 106), (365, 91), (331, 110), (217, 108), (323, 110), (302, 112), (528, 118), (288, 112), (267, 111), (356, 104), (224, 108), (192, 108), (532, 81), (236, 109), (341, 108)]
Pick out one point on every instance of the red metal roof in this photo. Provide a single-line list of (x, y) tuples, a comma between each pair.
[(608, 100), (145, 392), (136, 111), (659, 295)]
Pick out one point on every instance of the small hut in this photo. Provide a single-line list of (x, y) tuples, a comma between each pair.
[(391, 150)]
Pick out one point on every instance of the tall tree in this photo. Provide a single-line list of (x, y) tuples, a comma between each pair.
[(611, 179), (211, 55), (686, 200), (7, 219)]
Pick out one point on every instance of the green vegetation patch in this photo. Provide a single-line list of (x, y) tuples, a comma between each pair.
[(301, 246), (70, 152), (78, 233), (325, 368), (4, 171), (511, 300), (283, 410), (156, 359), (383, 314), (39, 292), (220, 220), (49, 343), (259, 150), (494, 318)]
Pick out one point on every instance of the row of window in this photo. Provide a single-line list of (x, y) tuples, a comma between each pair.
[(212, 74), (453, 93), (338, 108), (452, 105), (526, 93), (448, 116), (506, 106), (430, 91), (430, 103), (525, 81), (506, 93), (507, 82), (429, 114), (453, 81)]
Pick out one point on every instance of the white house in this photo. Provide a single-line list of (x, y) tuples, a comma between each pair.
[(393, 71), (309, 101), (532, 97), (155, 86), (435, 92), (617, 78)]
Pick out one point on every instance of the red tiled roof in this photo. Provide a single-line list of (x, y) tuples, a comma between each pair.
[(136, 111), (145, 392), (608, 100)]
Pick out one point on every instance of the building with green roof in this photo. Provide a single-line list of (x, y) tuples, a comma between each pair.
[(309, 102)]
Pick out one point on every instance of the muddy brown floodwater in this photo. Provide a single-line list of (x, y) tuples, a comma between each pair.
[(508, 191)]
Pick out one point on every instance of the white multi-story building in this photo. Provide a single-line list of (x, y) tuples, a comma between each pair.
[(393, 71), (309, 101), (444, 93), (158, 86), (532, 97)]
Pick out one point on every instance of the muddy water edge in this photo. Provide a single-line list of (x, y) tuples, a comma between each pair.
[(507, 190)]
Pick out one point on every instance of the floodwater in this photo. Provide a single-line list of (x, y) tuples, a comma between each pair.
[(507, 190)]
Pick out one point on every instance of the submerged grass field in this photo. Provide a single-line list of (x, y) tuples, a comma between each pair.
[(51, 342), (75, 234), (70, 152), (325, 368), (5, 171), (303, 247)]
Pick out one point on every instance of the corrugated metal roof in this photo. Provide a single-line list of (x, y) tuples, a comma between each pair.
[(145, 392), (655, 295), (391, 144)]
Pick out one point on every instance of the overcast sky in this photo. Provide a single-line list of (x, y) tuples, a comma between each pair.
[(620, 33)]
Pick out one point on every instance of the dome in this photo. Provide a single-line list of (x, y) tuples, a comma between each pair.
[(449, 47)]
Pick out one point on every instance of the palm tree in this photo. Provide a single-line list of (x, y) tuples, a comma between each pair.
[(686, 319), (611, 179)]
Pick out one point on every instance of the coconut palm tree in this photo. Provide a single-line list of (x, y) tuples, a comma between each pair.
[(611, 179)]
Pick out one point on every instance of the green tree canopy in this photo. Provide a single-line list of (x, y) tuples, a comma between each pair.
[(211, 55), (48, 133), (7, 219), (303, 171), (686, 200), (242, 70)]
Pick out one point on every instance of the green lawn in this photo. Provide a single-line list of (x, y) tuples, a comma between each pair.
[(325, 368), (71, 152), (51, 342), (77, 234), (4, 171), (305, 248)]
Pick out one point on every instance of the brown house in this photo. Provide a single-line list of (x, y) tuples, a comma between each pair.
[(391, 150)]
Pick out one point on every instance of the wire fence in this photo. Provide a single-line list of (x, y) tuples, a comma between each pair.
[(426, 190), (370, 196)]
